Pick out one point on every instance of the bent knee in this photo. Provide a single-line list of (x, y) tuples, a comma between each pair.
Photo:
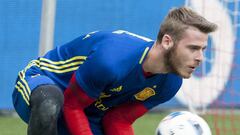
[(46, 101)]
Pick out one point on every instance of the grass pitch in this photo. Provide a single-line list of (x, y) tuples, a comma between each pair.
[(15, 126), (12, 126), (146, 125)]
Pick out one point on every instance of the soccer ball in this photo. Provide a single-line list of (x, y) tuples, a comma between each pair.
[(183, 123)]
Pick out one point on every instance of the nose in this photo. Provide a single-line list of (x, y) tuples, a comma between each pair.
[(200, 56)]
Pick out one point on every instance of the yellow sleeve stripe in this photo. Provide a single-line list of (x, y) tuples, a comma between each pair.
[(62, 66), (143, 55), (63, 62), (60, 71), (21, 91), (69, 65), (59, 67)]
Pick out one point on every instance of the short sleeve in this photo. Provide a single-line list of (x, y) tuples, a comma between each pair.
[(94, 75)]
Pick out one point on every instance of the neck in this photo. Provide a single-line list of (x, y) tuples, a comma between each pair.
[(155, 61)]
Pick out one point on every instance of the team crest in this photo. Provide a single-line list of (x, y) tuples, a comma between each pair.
[(145, 94)]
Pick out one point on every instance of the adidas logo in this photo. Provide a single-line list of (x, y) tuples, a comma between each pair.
[(118, 89)]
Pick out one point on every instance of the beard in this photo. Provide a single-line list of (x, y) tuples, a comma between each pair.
[(173, 62), (170, 60)]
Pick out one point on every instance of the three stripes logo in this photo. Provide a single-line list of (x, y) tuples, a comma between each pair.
[(58, 67), (61, 66), (23, 87)]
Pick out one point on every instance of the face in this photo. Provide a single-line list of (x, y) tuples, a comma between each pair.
[(187, 54)]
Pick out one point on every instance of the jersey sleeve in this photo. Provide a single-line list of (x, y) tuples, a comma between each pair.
[(95, 74), (167, 92), (116, 121)]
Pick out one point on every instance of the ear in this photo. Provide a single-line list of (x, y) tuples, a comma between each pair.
[(167, 42)]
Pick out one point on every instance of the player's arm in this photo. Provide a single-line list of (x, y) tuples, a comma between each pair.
[(86, 85), (119, 120), (75, 100)]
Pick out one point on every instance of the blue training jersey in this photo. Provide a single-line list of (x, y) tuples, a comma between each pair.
[(108, 66)]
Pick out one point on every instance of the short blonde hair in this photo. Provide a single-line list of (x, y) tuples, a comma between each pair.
[(179, 19)]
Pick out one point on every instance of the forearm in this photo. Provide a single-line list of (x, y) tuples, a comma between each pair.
[(119, 120), (74, 103), (77, 121)]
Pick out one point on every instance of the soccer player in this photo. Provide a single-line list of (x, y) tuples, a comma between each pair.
[(101, 82)]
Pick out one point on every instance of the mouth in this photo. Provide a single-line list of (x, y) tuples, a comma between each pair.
[(192, 68)]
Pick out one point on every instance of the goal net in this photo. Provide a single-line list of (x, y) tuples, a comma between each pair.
[(215, 87)]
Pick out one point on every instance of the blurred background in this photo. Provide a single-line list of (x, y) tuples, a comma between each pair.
[(29, 28)]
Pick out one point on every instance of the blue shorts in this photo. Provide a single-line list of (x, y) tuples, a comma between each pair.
[(27, 81)]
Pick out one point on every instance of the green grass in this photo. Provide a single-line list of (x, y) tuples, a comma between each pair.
[(146, 125), (12, 126)]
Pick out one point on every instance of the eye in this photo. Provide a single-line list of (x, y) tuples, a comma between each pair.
[(204, 48), (194, 48)]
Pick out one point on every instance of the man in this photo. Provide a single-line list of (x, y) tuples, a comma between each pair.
[(109, 79)]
